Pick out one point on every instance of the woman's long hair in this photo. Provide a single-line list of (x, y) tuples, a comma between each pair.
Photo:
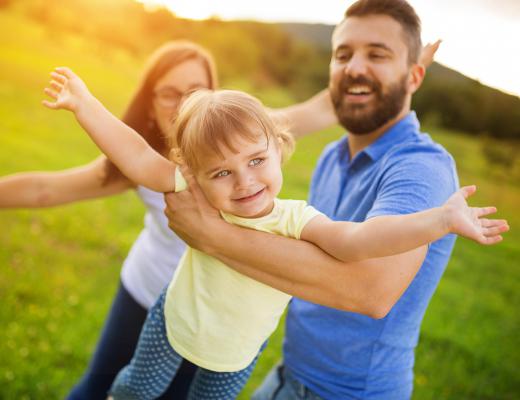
[(137, 115)]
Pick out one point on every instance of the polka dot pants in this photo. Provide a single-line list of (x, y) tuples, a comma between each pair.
[(155, 363)]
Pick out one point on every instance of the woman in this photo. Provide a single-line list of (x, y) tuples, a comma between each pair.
[(173, 70)]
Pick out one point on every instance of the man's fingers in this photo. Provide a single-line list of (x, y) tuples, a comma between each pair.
[(193, 185)]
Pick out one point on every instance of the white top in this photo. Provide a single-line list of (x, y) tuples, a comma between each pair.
[(155, 254)]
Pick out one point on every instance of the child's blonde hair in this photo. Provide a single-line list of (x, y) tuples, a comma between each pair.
[(209, 119)]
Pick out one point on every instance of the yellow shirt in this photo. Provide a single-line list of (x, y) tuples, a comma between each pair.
[(218, 318)]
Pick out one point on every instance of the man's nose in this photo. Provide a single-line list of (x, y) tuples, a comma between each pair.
[(356, 66)]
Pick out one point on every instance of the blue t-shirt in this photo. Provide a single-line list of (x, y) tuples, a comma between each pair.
[(344, 355)]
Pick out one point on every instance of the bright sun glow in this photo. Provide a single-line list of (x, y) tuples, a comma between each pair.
[(480, 47), (200, 9)]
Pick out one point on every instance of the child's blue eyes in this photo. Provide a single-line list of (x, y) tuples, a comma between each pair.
[(255, 162), (222, 173)]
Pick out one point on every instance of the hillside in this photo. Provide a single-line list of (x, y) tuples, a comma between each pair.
[(447, 97)]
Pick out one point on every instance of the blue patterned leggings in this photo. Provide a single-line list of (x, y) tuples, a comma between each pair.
[(155, 363)]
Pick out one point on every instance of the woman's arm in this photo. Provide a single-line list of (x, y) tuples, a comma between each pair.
[(311, 116), (393, 234), (51, 188), (122, 145)]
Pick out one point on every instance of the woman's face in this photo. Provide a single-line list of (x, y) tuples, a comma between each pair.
[(172, 86)]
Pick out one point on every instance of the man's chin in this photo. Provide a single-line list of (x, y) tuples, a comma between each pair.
[(359, 121)]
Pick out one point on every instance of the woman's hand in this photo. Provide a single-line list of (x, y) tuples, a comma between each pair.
[(67, 89), (428, 53), (468, 222)]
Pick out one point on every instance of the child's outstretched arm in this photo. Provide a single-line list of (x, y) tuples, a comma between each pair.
[(123, 146), (395, 234)]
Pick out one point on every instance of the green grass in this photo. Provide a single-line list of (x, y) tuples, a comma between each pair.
[(60, 266)]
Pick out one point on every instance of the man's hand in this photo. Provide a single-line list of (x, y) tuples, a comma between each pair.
[(191, 216)]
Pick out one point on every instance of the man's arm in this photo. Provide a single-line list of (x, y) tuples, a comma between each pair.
[(293, 266)]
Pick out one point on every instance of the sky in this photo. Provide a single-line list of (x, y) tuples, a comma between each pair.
[(481, 38)]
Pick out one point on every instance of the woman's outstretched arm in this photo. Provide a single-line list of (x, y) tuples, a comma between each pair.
[(34, 189)]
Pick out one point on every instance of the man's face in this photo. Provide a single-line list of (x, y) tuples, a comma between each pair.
[(369, 73)]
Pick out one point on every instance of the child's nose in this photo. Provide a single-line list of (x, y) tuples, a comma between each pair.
[(243, 180)]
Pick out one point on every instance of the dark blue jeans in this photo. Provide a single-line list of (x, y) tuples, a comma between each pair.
[(115, 349)]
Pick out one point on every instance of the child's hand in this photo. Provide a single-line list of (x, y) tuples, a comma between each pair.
[(468, 222), (67, 89)]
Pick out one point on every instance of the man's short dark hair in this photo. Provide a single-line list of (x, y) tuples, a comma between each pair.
[(402, 12)]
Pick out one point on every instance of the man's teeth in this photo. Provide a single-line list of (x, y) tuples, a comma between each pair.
[(358, 90)]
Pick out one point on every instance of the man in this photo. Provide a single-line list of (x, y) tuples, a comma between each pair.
[(346, 337)]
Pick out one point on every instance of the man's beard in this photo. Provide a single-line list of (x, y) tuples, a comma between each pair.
[(360, 119)]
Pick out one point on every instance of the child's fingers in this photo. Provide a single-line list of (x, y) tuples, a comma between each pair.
[(51, 93), (67, 72), (489, 223), (468, 190), (496, 230), (50, 104), (481, 211), (58, 77), (492, 240), (55, 85)]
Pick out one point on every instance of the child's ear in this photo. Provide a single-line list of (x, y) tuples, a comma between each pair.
[(176, 156), (279, 147)]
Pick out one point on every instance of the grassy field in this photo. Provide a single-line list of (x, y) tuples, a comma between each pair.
[(60, 267)]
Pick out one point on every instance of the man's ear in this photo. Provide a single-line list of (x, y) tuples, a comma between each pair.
[(416, 77)]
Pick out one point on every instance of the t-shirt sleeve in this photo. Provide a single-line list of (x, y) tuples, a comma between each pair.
[(180, 182), (414, 184), (306, 215)]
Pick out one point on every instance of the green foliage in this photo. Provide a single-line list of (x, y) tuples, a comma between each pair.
[(60, 267), (457, 102)]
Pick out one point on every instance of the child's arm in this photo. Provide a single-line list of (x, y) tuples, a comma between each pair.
[(389, 235), (123, 146)]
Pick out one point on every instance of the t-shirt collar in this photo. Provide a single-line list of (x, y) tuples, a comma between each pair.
[(398, 133)]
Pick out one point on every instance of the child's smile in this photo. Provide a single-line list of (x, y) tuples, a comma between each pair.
[(245, 182)]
